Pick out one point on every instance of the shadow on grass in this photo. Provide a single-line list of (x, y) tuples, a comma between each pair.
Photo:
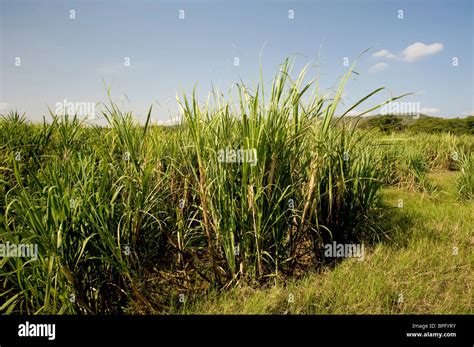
[(385, 225), (389, 226)]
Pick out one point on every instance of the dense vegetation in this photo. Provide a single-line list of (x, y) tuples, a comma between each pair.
[(137, 215), (423, 266), (420, 124)]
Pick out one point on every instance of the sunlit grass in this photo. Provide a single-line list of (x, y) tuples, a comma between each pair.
[(137, 215), (423, 267)]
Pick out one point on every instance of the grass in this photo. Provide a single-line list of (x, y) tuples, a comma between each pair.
[(137, 218), (465, 181), (416, 270)]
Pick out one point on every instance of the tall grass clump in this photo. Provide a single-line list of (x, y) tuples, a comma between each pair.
[(248, 188), (84, 207), (408, 159), (465, 181), (314, 179)]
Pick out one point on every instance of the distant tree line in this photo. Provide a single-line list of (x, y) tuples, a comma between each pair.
[(425, 124)]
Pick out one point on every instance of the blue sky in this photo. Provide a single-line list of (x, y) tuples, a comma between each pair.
[(64, 58)]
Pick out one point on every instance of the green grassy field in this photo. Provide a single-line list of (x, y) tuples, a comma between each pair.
[(232, 210), (424, 266)]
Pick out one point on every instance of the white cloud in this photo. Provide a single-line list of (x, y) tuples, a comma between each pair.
[(4, 106), (412, 53), (378, 67), (426, 110), (419, 50), (173, 121), (381, 53), (468, 113), (384, 54), (353, 113)]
